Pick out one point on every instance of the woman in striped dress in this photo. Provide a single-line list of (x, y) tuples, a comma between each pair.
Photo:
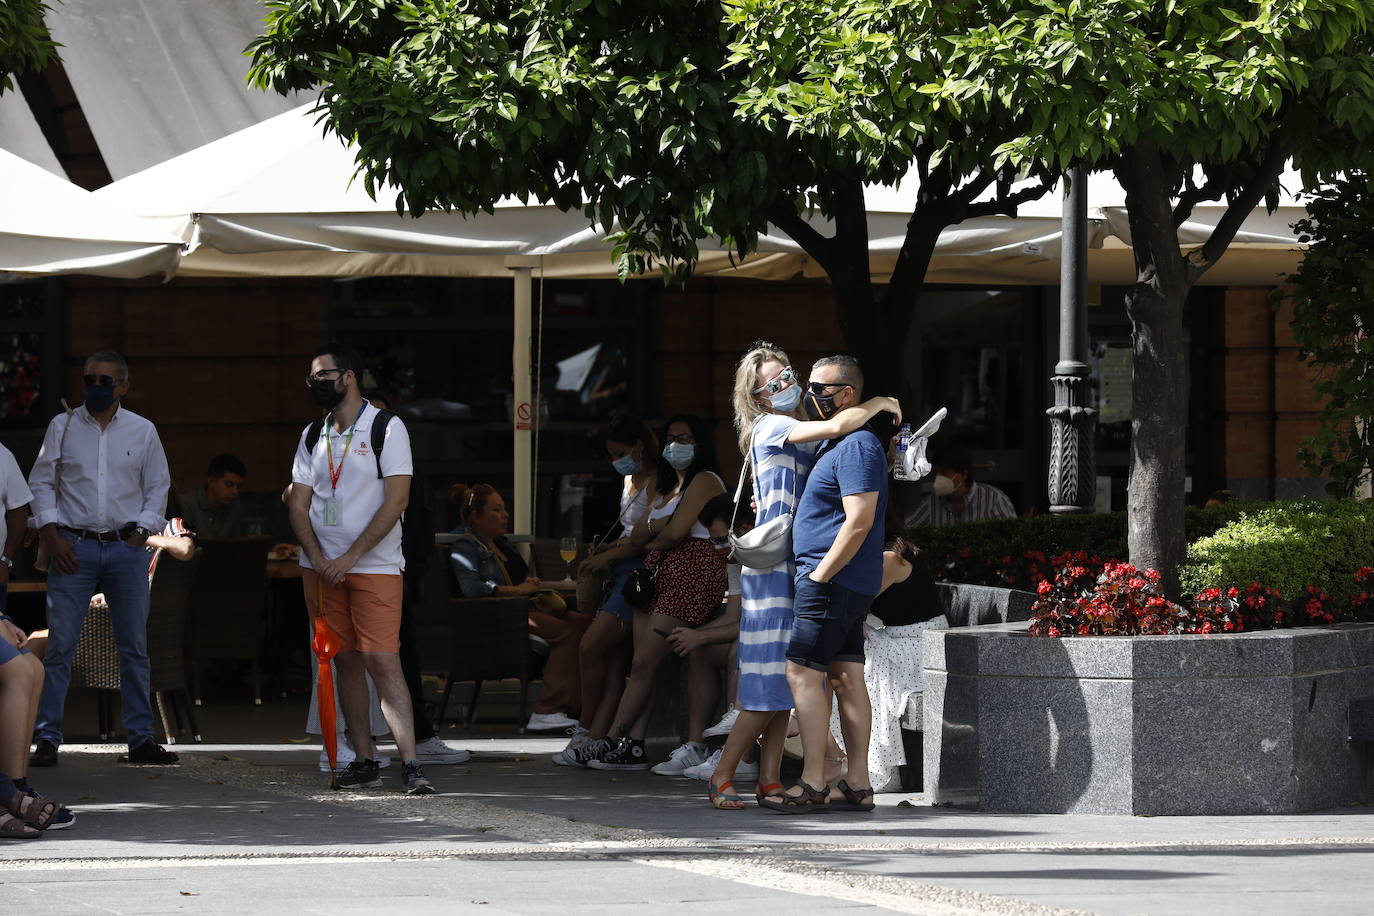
[(782, 447)]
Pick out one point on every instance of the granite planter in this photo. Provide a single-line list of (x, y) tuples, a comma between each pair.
[(1254, 723)]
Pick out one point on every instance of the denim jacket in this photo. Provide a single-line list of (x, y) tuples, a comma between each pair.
[(477, 568)]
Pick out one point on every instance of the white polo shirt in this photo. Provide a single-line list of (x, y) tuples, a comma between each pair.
[(360, 492), (14, 489)]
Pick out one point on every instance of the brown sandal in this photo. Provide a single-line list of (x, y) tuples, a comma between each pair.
[(13, 828), (39, 812), (854, 799), (813, 800)]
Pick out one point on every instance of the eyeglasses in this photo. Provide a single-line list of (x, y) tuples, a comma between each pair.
[(323, 375), (777, 382), (104, 380), (818, 388), (684, 439)]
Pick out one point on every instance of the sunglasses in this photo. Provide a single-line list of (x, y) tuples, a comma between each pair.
[(818, 388), (775, 384), (104, 380)]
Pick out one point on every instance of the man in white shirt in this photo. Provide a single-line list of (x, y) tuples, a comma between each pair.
[(345, 504), (99, 489), (956, 497)]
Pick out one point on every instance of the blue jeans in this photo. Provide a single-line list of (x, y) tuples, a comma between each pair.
[(121, 572)]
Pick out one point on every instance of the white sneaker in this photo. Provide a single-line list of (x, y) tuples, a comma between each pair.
[(434, 751), (722, 727), (580, 736), (685, 756), (704, 771), (550, 722)]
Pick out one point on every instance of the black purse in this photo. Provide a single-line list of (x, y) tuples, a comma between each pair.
[(640, 588)]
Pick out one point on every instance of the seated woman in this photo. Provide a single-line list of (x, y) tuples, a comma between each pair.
[(908, 606), (604, 655), (22, 812), (689, 580), (487, 566)]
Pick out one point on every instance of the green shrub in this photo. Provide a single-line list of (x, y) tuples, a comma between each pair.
[(1286, 546), (992, 553)]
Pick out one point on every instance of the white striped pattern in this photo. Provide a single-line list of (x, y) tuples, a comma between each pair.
[(982, 502)]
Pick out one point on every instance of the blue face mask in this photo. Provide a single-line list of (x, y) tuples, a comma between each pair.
[(679, 454), (99, 397), (786, 400), (625, 465)]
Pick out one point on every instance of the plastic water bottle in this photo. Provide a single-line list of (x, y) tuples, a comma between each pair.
[(899, 470)]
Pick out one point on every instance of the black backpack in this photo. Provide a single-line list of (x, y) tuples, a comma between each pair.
[(417, 534)]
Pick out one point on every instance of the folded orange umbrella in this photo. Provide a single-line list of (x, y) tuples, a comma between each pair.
[(326, 646)]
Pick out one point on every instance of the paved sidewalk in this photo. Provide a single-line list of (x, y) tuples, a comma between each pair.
[(254, 828)]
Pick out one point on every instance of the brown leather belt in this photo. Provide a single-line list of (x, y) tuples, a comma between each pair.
[(105, 536)]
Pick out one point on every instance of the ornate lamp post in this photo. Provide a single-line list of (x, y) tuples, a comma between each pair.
[(1073, 423)]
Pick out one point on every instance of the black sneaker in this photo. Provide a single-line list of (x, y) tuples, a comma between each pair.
[(414, 781), (583, 756), (149, 753), (626, 754), (44, 754), (362, 773)]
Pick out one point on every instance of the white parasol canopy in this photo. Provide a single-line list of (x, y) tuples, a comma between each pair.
[(50, 226)]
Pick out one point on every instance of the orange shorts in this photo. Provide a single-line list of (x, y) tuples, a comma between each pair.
[(365, 610)]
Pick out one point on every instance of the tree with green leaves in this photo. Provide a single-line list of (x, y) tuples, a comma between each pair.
[(25, 45), (1184, 101), (1332, 294), (631, 110)]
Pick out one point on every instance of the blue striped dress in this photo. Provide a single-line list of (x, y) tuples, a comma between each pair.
[(766, 620)]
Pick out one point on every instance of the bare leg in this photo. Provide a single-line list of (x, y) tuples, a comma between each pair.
[(650, 650), (732, 675), (813, 718), (601, 657), (17, 682), (703, 688), (38, 672), (385, 668), (856, 717), (748, 727), (770, 758), (349, 668)]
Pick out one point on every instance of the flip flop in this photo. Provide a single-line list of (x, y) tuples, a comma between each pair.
[(854, 799), (815, 801), (723, 800)]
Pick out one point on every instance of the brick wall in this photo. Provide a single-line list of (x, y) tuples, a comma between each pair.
[(1269, 401), (218, 365)]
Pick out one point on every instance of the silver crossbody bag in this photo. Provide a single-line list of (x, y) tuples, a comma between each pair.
[(767, 545)]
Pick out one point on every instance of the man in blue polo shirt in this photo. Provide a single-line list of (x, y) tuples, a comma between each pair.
[(838, 541)]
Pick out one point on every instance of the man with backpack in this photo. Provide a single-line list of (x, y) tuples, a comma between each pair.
[(350, 485)]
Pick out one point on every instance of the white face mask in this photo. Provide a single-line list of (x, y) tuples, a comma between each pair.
[(943, 485)]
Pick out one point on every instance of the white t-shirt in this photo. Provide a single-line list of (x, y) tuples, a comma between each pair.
[(14, 489), (360, 492)]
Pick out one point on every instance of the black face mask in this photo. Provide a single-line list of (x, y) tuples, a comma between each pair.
[(819, 407), (325, 393), (99, 397)]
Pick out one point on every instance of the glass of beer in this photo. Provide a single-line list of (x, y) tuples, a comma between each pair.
[(567, 549)]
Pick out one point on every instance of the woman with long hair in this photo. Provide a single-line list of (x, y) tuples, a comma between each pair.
[(781, 447), (605, 651), (689, 580)]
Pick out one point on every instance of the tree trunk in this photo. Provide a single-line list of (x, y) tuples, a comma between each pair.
[(1159, 416)]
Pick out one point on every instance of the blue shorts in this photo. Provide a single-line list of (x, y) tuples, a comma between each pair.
[(827, 624), (615, 602)]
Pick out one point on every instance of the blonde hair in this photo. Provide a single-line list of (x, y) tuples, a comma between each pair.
[(747, 406)]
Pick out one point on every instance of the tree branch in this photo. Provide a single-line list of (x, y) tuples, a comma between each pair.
[(1201, 259), (1195, 195), (1006, 205), (819, 247)]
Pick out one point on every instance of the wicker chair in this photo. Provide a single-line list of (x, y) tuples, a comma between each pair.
[(96, 663), (228, 601)]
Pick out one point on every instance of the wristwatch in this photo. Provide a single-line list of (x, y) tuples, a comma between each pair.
[(7, 561), (143, 532)]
